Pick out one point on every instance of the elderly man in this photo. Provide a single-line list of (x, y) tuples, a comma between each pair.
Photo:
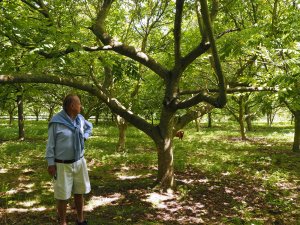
[(65, 155)]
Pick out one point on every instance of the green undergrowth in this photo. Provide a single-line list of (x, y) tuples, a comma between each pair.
[(220, 178)]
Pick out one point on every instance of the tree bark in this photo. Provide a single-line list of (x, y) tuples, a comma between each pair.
[(241, 118), (20, 116), (97, 116), (51, 113), (209, 120), (197, 124), (122, 126), (297, 131), (37, 115), (165, 176), (248, 118), (269, 120), (11, 118)]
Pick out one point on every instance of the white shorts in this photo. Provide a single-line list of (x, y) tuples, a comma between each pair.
[(71, 178)]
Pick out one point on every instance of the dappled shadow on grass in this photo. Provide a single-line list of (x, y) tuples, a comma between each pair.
[(201, 198), (221, 180), (134, 201), (266, 155), (119, 201), (239, 182), (26, 198), (235, 198), (22, 217)]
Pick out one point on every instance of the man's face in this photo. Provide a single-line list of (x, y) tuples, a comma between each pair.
[(76, 105)]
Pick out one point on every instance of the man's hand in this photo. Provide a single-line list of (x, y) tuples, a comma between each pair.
[(52, 170)]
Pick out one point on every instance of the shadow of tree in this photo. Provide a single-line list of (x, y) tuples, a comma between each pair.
[(219, 182)]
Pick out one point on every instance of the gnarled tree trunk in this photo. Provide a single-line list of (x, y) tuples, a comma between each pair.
[(164, 143), (165, 176)]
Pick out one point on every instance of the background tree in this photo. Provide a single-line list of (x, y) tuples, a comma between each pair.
[(62, 42), (8, 102), (60, 39)]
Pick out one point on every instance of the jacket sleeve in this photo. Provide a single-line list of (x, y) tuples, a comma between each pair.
[(50, 149), (88, 127)]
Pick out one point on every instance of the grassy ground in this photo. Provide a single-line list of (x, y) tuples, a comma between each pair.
[(220, 179)]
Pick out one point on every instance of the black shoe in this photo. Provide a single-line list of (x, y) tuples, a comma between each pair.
[(82, 223)]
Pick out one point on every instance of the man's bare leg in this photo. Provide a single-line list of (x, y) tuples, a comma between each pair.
[(79, 202), (62, 211)]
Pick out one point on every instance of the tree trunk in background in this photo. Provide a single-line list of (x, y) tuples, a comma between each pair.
[(197, 125), (11, 118), (269, 121), (122, 126), (209, 117), (37, 114), (248, 118), (292, 118), (51, 113), (241, 118), (20, 116), (297, 131)]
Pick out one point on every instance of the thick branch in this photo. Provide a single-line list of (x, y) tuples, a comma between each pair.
[(56, 54), (41, 8), (68, 50), (227, 31), (204, 96), (221, 99), (288, 105), (200, 21), (232, 90), (112, 103), (177, 30), (214, 9), (29, 78), (183, 120), (200, 97), (194, 54), (213, 15), (99, 30), (203, 46)]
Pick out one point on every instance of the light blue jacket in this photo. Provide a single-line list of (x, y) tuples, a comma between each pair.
[(66, 137)]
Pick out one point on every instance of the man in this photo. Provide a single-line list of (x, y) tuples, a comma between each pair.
[(67, 132)]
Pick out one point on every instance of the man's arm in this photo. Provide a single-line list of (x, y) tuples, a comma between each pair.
[(50, 154), (88, 127)]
